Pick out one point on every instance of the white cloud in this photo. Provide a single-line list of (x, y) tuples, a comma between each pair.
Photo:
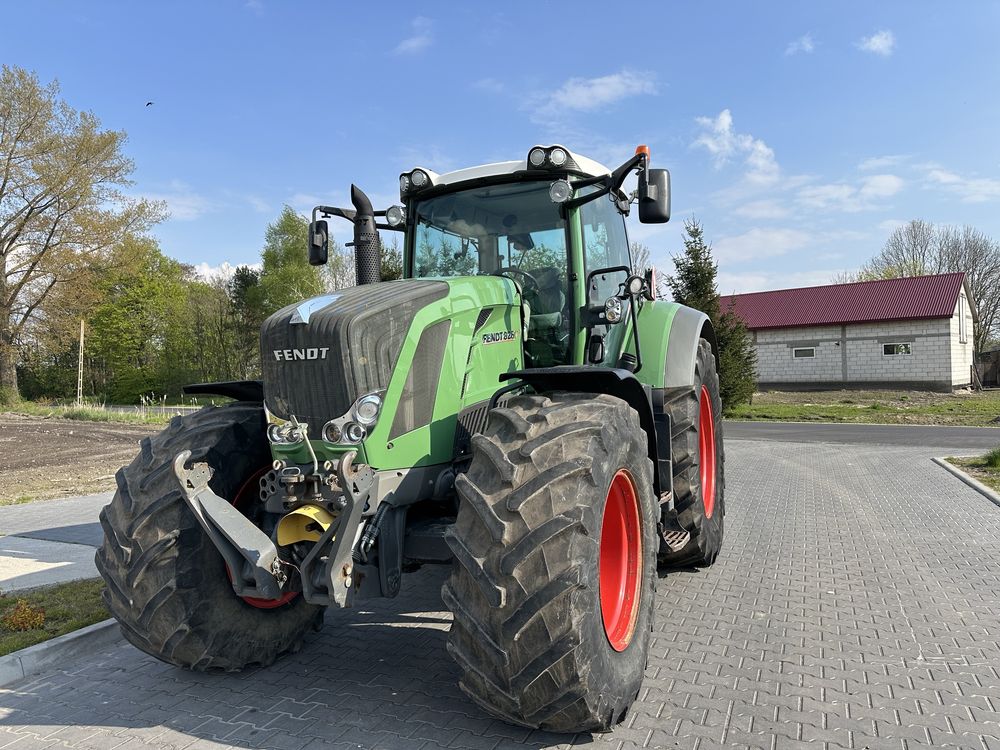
[(881, 162), (880, 186), (758, 243), (421, 38), (880, 43), (842, 196), (258, 204), (589, 94), (222, 272), (762, 209), (723, 143), (803, 44), (183, 203), (490, 86), (969, 189)]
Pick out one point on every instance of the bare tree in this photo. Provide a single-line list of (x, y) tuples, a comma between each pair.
[(61, 207), (919, 248), (642, 261), (969, 250)]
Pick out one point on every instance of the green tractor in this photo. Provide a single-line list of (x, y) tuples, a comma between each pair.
[(519, 406)]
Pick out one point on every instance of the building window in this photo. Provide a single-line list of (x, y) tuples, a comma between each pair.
[(804, 352), (963, 328), (895, 350)]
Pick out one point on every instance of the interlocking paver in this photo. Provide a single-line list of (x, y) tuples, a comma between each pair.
[(855, 605)]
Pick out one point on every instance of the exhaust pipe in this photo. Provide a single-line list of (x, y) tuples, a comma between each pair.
[(367, 248)]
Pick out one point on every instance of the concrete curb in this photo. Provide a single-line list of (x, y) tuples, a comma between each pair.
[(57, 651), (974, 483)]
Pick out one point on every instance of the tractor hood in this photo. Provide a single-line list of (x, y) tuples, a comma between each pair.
[(320, 355)]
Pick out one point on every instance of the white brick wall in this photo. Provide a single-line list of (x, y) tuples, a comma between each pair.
[(961, 354), (934, 343)]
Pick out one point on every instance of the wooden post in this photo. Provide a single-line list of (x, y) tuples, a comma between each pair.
[(79, 370)]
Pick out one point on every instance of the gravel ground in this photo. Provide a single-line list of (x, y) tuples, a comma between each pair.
[(46, 458)]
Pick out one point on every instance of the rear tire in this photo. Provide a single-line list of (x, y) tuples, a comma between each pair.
[(693, 462), (538, 641), (167, 585)]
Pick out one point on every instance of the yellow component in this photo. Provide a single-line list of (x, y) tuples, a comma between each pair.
[(304, 524)]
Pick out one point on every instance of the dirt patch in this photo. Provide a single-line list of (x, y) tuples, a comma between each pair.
[(47, 458)]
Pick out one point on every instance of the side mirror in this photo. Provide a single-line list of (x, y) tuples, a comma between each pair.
[(319, 243), (654, 197)]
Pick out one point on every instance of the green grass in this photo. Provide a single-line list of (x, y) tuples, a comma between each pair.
[(984, 468), (86, 413), (68, 607), (885, 407)]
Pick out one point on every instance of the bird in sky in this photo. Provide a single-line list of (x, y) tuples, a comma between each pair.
[(148, 103)]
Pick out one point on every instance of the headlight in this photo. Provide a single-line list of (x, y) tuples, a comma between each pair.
[(332, 432), (283, 434), (367, 408), (536, 158), (419, 178), (558, 156), (353, 432), (404, 183), (613, 309), (395, 215), (560, 191)]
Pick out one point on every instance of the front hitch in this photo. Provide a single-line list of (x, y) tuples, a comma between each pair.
[(328, 570), (249, 553)]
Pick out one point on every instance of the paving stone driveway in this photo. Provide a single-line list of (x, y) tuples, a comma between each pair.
[(855, 605)]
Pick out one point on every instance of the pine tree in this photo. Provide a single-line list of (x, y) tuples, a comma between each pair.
[(694, 285)]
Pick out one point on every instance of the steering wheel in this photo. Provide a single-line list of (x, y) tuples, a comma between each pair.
[(530, 281)]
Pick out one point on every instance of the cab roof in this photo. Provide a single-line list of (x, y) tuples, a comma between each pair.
[(577, 164)]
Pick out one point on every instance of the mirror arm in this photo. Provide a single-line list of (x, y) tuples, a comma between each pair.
[(608, 183), (618, 176)]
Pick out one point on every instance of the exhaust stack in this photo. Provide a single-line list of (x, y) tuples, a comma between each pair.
[(367, 248)]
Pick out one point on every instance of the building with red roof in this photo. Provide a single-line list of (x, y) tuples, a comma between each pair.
[(913, 332)]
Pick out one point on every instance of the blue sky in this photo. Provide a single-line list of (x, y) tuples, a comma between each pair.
[(799, 133)]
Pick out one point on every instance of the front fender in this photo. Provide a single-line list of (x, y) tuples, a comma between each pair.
[(668, 342)]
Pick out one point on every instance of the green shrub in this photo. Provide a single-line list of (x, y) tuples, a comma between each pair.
[(992, 459)]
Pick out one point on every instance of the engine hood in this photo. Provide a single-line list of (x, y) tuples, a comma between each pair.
[(320, 355)]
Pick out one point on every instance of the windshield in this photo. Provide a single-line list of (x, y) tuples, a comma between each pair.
[(489, 229), (513, 230)]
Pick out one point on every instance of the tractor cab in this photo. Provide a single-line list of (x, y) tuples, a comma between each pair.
[(553, 223)]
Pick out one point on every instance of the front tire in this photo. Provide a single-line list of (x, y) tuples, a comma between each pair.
[(698, 466), (552, 589), (167, 585)]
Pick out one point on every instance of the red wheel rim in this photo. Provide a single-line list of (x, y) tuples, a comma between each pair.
[(246, 494), (706, 457), (620, 563)]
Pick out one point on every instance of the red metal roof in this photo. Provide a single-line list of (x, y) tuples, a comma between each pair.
[(915, 297)]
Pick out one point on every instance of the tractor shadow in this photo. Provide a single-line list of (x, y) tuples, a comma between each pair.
[(375, 676)]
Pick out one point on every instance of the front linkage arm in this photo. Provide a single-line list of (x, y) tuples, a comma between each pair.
[(327, 572)]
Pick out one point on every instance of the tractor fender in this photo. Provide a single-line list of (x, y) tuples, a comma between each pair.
[(668, 340), (615, 382)]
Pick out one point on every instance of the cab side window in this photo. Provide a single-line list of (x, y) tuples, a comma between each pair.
[(604, 241)]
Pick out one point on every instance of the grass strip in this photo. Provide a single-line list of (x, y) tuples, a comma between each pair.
[(66, 607)]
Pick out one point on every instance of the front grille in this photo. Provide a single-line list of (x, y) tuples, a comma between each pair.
[(346, 345)]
